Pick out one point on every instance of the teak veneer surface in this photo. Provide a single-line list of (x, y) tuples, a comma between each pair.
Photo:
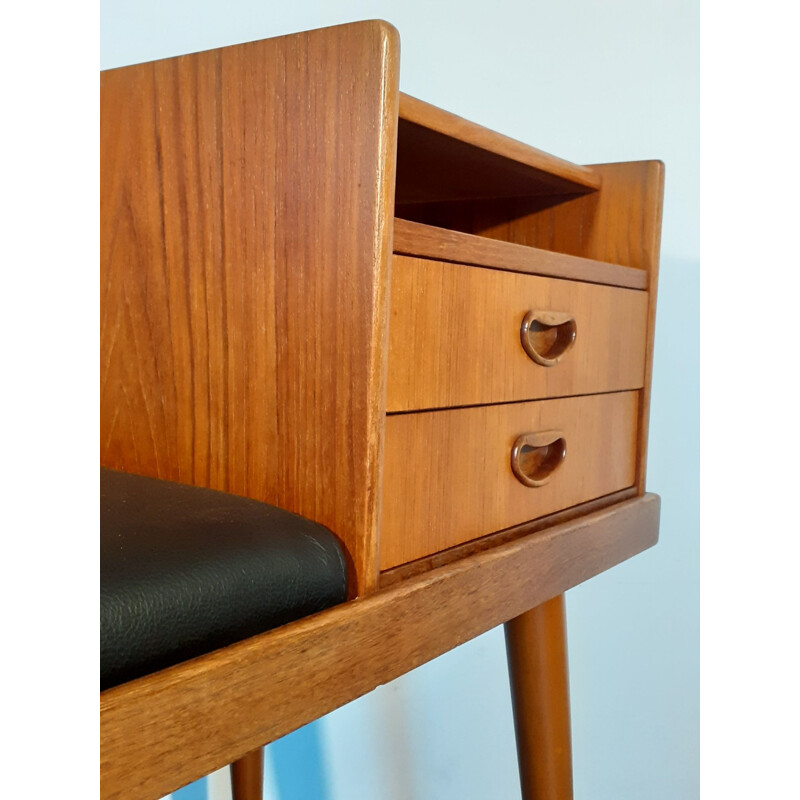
[(448, 476), (515, 532), (246, 226), (619, 224), (198, 716), (454, 336), (428, 241)]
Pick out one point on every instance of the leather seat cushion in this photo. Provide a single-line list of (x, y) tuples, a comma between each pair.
[(185, 571)]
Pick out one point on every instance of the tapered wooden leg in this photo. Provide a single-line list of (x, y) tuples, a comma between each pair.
[(247, 776), (537, 662)]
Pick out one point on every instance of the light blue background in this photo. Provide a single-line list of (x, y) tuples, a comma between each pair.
[(590, 81)]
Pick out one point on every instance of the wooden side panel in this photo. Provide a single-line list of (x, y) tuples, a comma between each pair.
[(619, 224), (162, 731), (448, 476), (246, 215), (454, 336)]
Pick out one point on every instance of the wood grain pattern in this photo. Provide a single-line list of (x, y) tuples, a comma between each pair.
[(448, 477), (536, 644), (441, 156), (648, 176), (620, 223), (162, 731), (454, 336), (617, 224), (445, 557), (427, 241), (246, 215)]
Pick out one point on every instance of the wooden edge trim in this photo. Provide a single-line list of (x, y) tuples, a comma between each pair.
[(427, 241), (389, 40), (406, 571), (434, 118), (162, 731), (656, 174)]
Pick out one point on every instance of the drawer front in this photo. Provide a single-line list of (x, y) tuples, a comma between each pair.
[(448, 475), (455, 336)]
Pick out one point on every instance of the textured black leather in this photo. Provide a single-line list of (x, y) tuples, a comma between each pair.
[(185, 571)]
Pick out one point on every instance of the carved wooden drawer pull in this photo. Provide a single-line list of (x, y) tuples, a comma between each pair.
[(548, 335), (536, 456)]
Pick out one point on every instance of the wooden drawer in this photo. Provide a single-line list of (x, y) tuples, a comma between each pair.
[(454, 336), (448, 474)]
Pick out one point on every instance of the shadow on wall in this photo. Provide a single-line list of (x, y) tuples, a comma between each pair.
[(294, 769), (298, 765)]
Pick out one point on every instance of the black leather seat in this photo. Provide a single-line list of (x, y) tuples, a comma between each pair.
[(185, 571)]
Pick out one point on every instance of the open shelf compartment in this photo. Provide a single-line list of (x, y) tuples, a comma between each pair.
[(442, 158), (458, 179), (457, 176)]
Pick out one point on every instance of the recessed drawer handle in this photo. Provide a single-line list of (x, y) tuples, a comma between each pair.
[(548, 335), (536, 456)]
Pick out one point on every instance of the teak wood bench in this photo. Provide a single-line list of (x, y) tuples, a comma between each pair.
[(431, 339)]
